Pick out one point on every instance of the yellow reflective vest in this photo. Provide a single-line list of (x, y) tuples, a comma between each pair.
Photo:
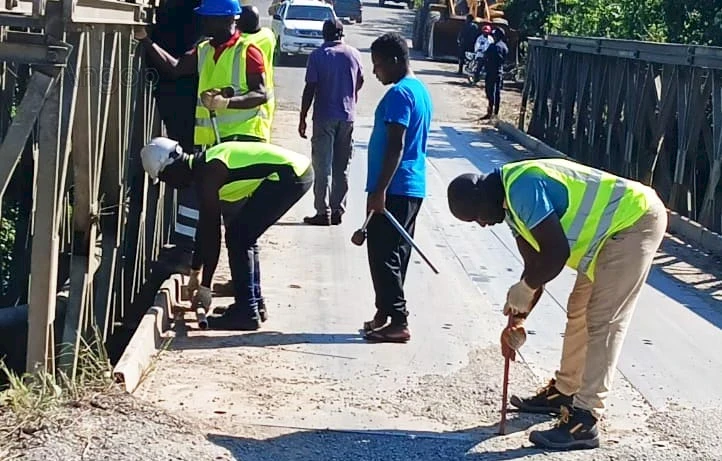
[(230, 70), (243, 159), (265, 40), (600, 205)]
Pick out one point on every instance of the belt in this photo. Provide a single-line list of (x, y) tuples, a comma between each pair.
[(243, 138)]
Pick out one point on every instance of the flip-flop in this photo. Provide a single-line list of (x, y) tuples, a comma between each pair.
[(382, 336), (371, 325)]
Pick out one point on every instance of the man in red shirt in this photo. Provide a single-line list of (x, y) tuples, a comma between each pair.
[(224, 36)]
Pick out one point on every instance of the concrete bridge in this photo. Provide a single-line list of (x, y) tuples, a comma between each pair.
[(93, 239)]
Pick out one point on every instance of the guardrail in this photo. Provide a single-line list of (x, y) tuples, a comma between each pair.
[(648, 111)]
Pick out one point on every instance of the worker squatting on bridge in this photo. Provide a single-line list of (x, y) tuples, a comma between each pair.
[(252, 184), (605, 227)]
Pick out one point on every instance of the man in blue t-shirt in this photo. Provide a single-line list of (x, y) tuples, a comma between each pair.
[(396, 182)]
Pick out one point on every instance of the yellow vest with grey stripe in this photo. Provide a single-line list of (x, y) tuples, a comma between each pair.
[(247, 160), (600, 205), (265, 40), (230, 70)]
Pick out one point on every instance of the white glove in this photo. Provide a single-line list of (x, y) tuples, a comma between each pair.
[(214, 100), (519, 299), (194, 282), (203, 297)]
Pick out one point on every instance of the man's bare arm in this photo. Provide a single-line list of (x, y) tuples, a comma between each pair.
[(553, 252), (392, 155), (309, 91), (166, 63), (255, 96)]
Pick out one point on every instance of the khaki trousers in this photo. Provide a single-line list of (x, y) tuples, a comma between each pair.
[(599, 312)]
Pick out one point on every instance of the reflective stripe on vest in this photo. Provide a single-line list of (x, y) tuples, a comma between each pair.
[(238, 155), (599, 206), (232, 62)]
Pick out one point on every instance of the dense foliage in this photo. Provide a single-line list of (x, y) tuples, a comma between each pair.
[(7, 242), (678, 21)]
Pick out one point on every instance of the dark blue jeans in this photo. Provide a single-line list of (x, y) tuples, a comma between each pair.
[(260, 211)]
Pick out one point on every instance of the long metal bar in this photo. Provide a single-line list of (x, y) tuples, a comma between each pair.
[(408, 238), (44, 263), (22, 125), (660, 53)]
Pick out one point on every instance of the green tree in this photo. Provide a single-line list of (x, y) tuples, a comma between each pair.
[(679, 21)]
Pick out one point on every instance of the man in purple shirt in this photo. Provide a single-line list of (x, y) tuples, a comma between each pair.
[(334, 76)]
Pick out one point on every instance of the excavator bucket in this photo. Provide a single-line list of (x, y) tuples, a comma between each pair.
[(444, 36)]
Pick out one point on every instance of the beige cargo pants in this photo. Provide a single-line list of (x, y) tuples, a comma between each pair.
[(599, 313)]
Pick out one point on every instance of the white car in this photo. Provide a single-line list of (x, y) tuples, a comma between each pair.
[(298, 26)]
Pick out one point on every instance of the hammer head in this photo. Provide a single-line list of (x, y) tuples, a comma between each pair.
[(359, 237)]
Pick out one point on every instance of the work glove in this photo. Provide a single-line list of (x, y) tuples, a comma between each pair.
[(203, 298), (139, 32), (512, 338), (519, 299), (194, 282), (213, 99)]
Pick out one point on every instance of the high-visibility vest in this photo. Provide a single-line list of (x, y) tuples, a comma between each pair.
[(230, 70), (237, 155), (265, 40), (600, 205)]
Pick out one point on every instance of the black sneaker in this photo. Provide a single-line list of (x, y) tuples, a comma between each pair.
[(548, 400), (318, 220), (576, 429), (235, 319), (336, 219)]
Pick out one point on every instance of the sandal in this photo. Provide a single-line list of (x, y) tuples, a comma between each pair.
[(377, 322), (389, 334)]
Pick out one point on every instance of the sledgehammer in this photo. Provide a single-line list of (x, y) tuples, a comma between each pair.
[(359, 237), (505, 389), (226, 92)]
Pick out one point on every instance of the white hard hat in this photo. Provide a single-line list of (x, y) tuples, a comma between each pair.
[(157, 154)]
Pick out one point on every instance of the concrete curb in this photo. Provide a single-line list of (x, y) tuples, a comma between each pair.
[(691, 231), (148, 337)]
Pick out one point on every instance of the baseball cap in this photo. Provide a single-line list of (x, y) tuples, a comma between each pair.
[(333, 28)]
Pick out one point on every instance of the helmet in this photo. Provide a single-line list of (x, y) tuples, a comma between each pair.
[(499, 34), (219, 8), (157, 154)]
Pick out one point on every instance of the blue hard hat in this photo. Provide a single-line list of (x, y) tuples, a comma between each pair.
[(219, 8)]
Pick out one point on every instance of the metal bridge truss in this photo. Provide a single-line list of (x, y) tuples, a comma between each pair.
[(648, 111), (75, 108)]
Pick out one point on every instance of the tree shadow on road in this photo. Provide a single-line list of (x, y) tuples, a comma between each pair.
[(263, 339), (367, 445)]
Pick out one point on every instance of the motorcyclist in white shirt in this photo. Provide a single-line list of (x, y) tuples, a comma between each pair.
[(482, 43)]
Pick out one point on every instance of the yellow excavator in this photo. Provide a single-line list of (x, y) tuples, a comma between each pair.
[(438, 23)]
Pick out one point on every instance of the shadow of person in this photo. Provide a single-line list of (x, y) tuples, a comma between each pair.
[(366, 445), (262, 339)]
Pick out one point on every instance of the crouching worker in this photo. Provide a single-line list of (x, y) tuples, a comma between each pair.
[(605, 227), (252, 184)]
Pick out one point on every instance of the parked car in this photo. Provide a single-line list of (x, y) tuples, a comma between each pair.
[(351, 9), (298, 26), (409, 3)]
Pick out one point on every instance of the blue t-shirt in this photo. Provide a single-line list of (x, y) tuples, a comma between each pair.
[(534, 196), (407, 103)]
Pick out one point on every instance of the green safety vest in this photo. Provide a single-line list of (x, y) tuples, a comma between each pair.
[(237, 155), (265, 40), (600, 205), (230, 70)]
